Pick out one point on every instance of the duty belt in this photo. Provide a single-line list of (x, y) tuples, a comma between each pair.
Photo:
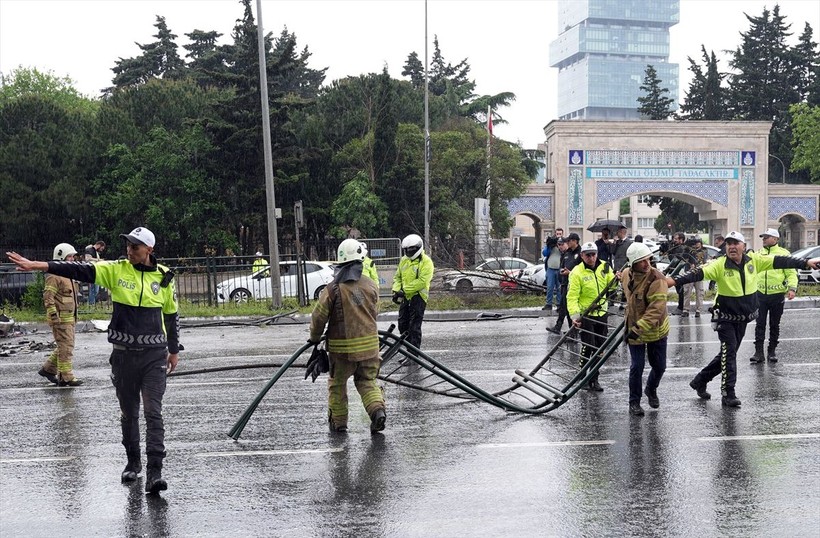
[(123, 348)]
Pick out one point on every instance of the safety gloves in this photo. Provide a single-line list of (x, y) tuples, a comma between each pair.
[(317, 364), (398, 296)]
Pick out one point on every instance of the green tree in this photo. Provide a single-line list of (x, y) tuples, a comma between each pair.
[(705, 99), (805, 70), (158, 59), (806, 129), (678, 213), (164, 185), (654, 104), (45, 150), (358, 207), (762, 87), (27, 81)]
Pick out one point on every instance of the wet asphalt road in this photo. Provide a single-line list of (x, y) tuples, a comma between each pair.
[(442, 467)]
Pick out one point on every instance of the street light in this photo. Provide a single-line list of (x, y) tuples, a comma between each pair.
[(782, 167)]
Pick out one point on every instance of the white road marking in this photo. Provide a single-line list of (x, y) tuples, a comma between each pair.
[(267, 452), (36, 460), (762, 437), (547, 443)]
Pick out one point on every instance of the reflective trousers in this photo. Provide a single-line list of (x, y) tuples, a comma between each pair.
[(725, 362), (364, 377), (411, 315), (59, 362), (656, 353), (135, 375), (770, 306)]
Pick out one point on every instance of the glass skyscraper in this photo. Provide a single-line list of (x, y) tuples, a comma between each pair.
[(602, 51)]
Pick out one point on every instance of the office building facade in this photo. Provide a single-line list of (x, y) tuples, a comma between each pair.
[(602, 51)]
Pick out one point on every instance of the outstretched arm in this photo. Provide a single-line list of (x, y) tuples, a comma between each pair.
[(24, 264)]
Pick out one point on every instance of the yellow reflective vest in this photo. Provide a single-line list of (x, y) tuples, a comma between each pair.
[(776, 281), (585, 284), (414, 276)]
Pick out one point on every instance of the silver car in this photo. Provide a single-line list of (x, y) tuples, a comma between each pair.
[(485, 276), (256, 285)]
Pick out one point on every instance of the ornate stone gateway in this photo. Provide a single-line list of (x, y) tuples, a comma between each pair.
[(718, 167)]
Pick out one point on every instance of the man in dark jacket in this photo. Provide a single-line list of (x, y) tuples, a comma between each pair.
[(619, 249), (569, 259), (679, 255)]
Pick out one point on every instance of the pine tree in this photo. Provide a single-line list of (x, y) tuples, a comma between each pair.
[(654, 105), (805, 68), (158, 59)]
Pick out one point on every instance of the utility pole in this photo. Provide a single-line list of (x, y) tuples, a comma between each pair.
[(273, 234), (428, 150)]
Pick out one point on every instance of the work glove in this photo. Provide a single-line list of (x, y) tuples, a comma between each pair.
[(398, 297), (632, 335), (317, 364)]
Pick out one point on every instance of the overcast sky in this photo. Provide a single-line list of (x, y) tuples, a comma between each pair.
[(506, 42)]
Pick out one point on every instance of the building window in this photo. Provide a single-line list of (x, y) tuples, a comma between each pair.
[(646, 222)]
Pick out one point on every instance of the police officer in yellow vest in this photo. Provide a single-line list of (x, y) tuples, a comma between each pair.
[(736, 275), (349, 306), (60, 300), (259, 263), (369, 267), (411, 287), (586, 282), (144, 332), (773, 286)]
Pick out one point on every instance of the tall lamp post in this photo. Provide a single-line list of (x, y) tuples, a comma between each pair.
[(782, 167), (273, 234)]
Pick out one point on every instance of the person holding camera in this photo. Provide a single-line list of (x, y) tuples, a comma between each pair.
[(552, 265)]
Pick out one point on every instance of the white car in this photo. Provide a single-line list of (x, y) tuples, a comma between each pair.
[(808, 276), (255, 286), (485, 276), (535, 274)]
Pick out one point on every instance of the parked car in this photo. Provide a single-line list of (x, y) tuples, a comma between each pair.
[(255, 286), (535, 275), (13, 284), (485, 276), (808, 276)]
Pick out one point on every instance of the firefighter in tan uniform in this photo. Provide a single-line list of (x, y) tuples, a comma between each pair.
[(60, 300), (349, 306)]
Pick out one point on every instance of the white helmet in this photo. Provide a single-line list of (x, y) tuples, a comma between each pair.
[(350, 250), (411, 246), (62, 251), (637, 252), (364, 247)]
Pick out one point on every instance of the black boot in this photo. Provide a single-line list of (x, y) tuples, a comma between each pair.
[(51, 377), (772, 356), (700, 388), (377, 420), (154, 482), (758, 356), (730, 400), (133, 468), (652, 396)]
